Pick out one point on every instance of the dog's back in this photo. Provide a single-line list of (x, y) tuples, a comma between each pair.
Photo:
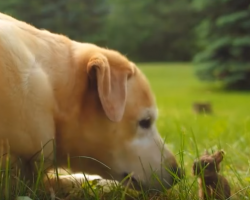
[(26, 101)]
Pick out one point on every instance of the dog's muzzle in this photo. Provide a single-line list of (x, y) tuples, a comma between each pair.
[(177, 174)]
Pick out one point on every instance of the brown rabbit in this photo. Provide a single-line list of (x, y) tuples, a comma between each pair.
[(211, 184), (202, 108)]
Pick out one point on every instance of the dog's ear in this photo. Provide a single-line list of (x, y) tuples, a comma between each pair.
[(111, 85)]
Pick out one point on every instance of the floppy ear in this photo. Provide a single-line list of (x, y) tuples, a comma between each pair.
[(112, 86)]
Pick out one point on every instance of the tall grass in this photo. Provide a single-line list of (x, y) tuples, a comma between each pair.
[(187, 134)]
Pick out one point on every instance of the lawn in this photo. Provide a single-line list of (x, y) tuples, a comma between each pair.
[(188, 134), (176, 88)]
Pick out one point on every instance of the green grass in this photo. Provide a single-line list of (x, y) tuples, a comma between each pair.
[(188, 134), (176, 88)]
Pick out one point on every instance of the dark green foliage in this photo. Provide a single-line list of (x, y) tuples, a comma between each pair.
[(144, 30), (153, 30), (225, 42), (81, 20)]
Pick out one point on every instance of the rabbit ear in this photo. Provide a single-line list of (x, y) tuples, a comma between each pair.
[(206, 152), (218, 156)]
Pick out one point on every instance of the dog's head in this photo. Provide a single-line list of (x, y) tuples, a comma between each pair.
[(117, 123)]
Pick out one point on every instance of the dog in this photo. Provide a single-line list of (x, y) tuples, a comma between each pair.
[(211, 184), (82, 101)]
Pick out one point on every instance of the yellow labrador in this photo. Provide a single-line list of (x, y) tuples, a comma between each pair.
[(92, 101)]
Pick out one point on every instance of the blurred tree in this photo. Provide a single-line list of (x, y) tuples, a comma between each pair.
[(79, 19), (153, 30), (144, 30), (224, 37)]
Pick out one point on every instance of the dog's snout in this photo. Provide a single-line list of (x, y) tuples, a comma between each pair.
[(127, 175), (177, 173)]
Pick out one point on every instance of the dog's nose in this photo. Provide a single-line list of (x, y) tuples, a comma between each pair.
[(177, 173), (126, 175)]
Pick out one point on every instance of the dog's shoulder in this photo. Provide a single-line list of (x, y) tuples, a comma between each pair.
[(14, 29)]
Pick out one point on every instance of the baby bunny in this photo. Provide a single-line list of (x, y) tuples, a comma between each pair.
[(211, 184)]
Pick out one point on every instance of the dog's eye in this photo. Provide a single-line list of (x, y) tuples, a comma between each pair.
[(145, 123)]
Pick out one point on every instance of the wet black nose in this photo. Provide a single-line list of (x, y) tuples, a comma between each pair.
[(177, 174), (126, 175)]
